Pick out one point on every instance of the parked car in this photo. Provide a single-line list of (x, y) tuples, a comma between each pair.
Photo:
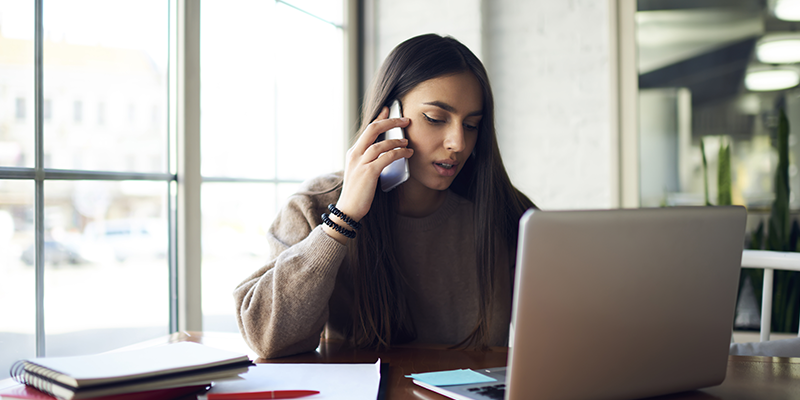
[(129, 238), (55, 253)]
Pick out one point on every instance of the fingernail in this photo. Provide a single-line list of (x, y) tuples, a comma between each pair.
[(404, 119)]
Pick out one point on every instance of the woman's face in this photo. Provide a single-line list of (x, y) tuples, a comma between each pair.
[(445, 114)]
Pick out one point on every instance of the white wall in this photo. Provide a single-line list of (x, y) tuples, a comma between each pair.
[(549, 64), (396, 21)]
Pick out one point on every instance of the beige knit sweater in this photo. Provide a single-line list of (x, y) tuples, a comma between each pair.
[(283, 307)]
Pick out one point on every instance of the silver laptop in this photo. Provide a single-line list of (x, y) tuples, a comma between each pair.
[(619, 304)]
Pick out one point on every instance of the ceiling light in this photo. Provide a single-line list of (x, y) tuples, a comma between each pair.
[(788, 10), (779, 49), (759, 80)]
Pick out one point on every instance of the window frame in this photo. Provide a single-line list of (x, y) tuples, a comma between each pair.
[(183, 177), (39, 174)]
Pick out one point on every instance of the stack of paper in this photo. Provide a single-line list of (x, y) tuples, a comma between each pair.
[(332, 381)]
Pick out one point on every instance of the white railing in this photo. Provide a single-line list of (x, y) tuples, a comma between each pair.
[(769, 261)]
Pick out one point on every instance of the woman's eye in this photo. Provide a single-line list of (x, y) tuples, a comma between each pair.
[(470, 127), (432, 120)]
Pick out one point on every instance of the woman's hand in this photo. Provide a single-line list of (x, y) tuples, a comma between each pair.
[(363, 166)]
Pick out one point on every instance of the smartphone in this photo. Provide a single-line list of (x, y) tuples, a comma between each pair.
[(396, 172)]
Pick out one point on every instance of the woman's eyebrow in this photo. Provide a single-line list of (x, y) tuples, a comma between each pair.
[(449, 108)]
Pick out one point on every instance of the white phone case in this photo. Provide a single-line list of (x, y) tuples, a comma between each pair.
[(396, 172)]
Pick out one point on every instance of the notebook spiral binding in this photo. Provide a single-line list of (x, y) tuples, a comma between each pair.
[(38, 377)]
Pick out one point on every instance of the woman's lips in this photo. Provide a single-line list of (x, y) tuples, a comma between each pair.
[(446, 168)]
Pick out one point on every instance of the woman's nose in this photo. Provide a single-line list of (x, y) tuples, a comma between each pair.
[(454, 141)]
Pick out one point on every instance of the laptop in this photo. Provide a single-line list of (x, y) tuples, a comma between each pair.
[(619, 304)]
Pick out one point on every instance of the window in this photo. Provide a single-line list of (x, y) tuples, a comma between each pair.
[(263, 83), (91, 214), (65, 196)]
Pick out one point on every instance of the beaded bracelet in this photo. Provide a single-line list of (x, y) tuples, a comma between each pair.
[(335, 211), (346, 232)]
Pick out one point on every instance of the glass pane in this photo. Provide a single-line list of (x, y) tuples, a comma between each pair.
[(236, 217), (105, 91), (309, 101), (16, 83), (238, 102), (17, 280), (106, 270)]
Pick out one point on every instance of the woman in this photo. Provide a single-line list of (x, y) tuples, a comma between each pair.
[(430, 261)]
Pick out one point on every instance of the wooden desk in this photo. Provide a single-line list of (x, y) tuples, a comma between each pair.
[(760, 378), (770, 378)]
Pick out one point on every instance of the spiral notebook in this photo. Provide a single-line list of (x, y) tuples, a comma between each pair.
[(25, 392), (162, 367)]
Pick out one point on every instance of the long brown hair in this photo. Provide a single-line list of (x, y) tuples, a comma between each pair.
[(381, 315)]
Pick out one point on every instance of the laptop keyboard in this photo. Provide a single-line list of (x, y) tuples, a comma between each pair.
[(490, 392)]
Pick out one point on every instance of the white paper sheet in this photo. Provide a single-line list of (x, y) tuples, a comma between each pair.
[(333, 381)]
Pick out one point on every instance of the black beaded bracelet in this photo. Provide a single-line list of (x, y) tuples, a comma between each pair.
[(346, 232), (335, 211)]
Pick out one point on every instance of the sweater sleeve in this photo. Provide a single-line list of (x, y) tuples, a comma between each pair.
[(283, 307)]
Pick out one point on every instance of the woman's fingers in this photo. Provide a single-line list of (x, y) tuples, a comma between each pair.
[(385, 150), (370, 164), (367, 137), (374, 129)]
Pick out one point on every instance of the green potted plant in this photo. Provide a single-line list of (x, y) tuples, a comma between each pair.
[(782, 235)]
